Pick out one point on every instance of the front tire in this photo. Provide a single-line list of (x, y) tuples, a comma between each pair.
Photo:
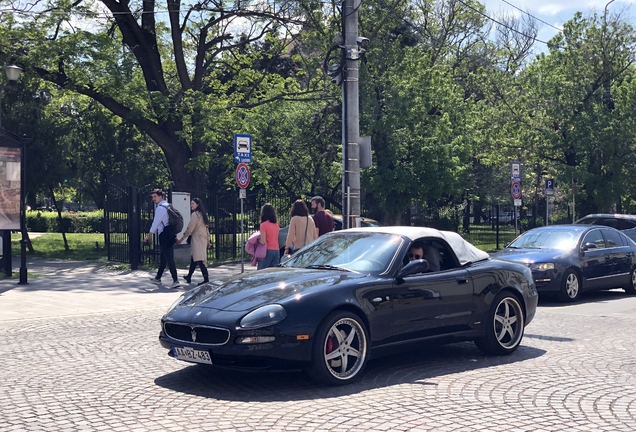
[(570, 286), (340, 349), (631, 287), (505, 326)]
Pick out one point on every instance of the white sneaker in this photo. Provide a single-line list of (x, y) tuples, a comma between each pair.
[(174, 285), (155, 281)]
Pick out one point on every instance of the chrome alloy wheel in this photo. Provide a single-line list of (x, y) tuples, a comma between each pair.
[(508, 322), (572, 285), (345, 348)]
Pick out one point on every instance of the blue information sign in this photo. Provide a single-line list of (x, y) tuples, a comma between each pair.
[(242, 148), (515, 171)]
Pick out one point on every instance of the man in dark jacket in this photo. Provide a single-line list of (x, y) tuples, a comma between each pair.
[(322, 219)]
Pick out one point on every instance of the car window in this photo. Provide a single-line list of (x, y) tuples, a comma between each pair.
[(622, 224), (595, 237), (546, 239), (612, 238), (362, 252), (610, 222), (587, 221)]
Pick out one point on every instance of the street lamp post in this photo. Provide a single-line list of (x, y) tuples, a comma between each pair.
[(13, 74)]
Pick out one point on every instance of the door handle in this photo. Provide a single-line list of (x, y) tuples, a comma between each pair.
[(461, 280)]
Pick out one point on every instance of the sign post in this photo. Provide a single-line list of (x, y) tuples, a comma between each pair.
[(515, 188), (242, 175), (549, 191), (515, 191)]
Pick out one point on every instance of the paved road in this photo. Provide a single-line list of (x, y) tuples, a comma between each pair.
[(79, 352)]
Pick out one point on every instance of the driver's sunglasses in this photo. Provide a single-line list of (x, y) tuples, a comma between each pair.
[(416, 256)]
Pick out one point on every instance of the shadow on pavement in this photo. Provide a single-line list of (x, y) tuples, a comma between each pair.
[(417, 367), (62, 275), (585, 297)]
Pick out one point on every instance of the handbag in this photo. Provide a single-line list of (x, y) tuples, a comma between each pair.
[(291, 249)]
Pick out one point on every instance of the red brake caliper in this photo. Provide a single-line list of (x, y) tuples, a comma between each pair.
[(329, 345)]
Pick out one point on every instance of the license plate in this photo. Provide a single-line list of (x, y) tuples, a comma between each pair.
[(191, 355)]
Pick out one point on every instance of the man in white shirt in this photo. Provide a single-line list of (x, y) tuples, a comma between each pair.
[(161, 228)]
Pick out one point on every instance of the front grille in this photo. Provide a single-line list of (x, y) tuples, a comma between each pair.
[(199, 334)]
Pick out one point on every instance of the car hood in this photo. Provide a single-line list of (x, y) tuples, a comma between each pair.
[(249, 291), (529, 256)]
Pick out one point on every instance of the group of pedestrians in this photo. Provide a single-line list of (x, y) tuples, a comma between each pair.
[(303, 229), (196, 232)]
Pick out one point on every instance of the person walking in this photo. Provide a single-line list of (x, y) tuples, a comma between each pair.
[(322, 219), (302, 229), (199, 235), (164, 231), (269, 236)]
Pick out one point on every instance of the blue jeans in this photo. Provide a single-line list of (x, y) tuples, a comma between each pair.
[(272, 259)]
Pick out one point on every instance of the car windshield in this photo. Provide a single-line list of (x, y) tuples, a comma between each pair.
[(546, 239), (360, 252)]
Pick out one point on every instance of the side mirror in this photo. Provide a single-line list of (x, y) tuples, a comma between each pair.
[(588, 246), (414, 267)]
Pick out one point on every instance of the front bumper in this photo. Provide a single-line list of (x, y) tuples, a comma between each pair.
[(547, 281), (284, 353)]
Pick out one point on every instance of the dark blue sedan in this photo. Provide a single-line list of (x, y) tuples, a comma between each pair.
[(569, 259)]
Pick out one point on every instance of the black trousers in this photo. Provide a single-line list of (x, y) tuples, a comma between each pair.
[(193, 266), (166, 246)]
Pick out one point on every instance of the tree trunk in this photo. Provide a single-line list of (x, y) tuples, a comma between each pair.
[(59, 218)]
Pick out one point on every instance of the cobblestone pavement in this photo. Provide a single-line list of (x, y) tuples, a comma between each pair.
[(104, 370)]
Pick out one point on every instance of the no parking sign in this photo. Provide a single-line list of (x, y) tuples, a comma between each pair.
[(515, 190), (242, 175)]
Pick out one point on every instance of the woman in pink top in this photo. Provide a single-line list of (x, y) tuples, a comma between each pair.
[(269, 236)]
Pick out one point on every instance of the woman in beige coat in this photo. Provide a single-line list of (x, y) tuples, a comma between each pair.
[(302, 229), (199, 235)]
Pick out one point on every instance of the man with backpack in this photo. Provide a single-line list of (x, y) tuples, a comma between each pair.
[(161, 226)]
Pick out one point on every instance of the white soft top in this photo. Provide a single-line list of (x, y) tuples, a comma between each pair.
[(465, 251)]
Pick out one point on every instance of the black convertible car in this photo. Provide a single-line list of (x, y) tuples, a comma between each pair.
[(349, 296)]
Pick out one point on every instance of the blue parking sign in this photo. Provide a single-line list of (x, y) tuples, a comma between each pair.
[(549, 186), (242, 148)]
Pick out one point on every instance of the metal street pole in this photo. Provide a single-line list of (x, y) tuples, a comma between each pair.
[(23, 229), (351, 117)]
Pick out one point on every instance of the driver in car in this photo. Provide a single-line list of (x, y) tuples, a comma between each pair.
[(420, 250), (416, 251)]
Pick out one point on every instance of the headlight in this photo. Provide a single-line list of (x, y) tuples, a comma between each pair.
[(542, 266), (263, 316), (176, 302)]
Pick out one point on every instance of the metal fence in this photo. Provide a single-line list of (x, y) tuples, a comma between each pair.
[(129, 211)]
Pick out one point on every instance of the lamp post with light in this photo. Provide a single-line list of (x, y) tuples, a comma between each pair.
[(13, 75)]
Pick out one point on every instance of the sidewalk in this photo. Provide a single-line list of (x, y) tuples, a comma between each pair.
[(67, 288)]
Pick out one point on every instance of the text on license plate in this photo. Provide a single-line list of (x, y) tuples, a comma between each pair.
[(192, 355)]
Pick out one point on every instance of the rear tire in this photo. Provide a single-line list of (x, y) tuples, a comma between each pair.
[(631, 286), (340, 349), (570, 286), (504, 327)]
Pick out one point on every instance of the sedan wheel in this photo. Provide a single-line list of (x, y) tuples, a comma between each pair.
[(340, 349), (631, 287), (570, 286), (504, 328)]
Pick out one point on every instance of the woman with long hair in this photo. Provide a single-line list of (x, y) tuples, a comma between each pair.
[(199, 235), (302, 229), (269, 235)]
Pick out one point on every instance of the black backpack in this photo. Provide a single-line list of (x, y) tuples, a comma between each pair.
[(175, 219)]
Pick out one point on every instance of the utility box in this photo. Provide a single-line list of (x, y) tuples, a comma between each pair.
[(181, 202)]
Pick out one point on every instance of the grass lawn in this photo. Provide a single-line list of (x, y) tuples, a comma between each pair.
[(51, 245)]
